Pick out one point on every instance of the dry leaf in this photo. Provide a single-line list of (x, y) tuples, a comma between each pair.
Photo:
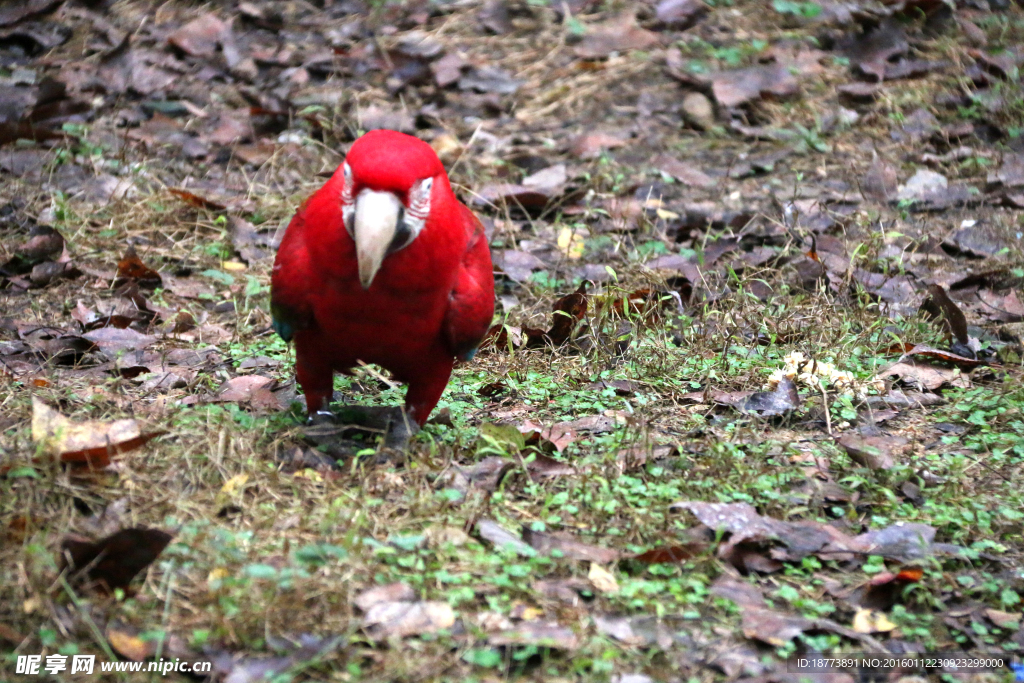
[(871, 621), (571, 243), (92, 441), (602, 579), (113, 562)]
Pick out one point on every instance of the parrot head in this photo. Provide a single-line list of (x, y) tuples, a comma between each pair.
[(390, 182)]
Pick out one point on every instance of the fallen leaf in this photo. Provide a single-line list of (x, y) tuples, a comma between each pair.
[(503, 539), (568, 310), (771, 627), (128, 644), (536, 633), (925, 377), (616, 35), (571, 243), (113, 562), (871, 621), (740, 592), (489, 79), (939, 304), (638, 631), (593, 145), (392, 592), (113, 341), (602, 579), (569, 547), (200, 37), (874, 452), (783, 399), (93, 442), (680, 14), (401, 619), (234, 484), (686, 173), (671, 554), (192, 199), (131, 267)]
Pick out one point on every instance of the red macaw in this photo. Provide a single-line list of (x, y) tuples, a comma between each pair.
[(384, 265)]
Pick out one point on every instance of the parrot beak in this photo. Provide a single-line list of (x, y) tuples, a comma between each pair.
[(376, 222)]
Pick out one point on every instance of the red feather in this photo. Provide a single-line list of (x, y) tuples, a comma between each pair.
[(428, 304)]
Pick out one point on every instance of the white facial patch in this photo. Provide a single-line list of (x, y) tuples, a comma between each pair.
[(418, 210), (348, 206)]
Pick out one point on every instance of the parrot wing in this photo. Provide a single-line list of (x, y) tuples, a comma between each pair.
[(471, 304), (291, 281)]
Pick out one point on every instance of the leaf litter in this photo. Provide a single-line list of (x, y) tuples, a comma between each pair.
[(650, 180)]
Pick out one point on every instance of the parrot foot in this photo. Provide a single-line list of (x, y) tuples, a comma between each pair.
[(339, 431)]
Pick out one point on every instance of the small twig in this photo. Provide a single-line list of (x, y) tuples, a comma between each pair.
[(378, 376), (828, 417)]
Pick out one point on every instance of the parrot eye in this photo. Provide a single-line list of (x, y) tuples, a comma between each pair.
[(412, 219), (403, 233), (348, 207)]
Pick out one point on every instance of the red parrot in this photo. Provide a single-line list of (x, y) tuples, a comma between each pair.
[(384, 265)]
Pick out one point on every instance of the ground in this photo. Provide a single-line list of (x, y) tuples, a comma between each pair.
[(753, 391)]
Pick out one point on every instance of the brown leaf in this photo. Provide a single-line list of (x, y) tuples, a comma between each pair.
[(92, 441), (569, 310), (127, 643), (872, 50), (685, 173), (250, 243), (392, 592), (255, 391), (638, 631), (954, 318), (233, 126), (401, 618), (874, 452), (538, 633), (962, 362), (925, 377), (540, 465), (200, 37), (14, 12), (744, 594), (513, 195), (131, 268), (1006, 308), (593, 145), (739, 86), (559, 436), (781, 400), (880, 181), (448, 69), (680, 14), (569, 547), (485, 475), (195, 200), (616, 35), (503, 539), (489, 79), (671, 554), (113, 562), (884, 590), (774, 628), (113, 340)]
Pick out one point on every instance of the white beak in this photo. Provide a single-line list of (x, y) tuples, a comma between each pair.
[(376, 222)]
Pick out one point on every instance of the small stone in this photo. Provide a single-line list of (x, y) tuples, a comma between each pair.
[(922, 184), (697, 111)]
